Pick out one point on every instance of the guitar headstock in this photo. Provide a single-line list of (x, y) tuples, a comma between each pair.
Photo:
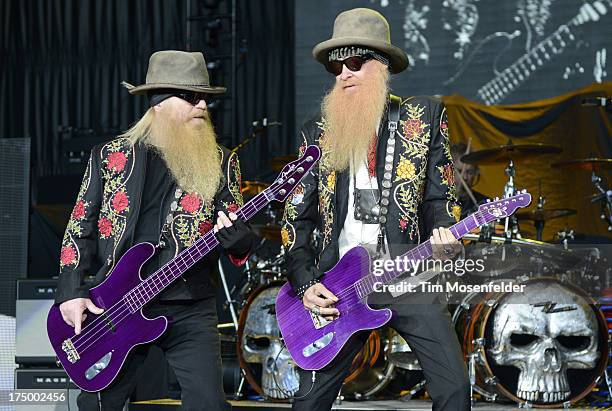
[(292, 173), (504, 207)]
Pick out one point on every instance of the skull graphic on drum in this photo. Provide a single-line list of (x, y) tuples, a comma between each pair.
[(543, 332), (260, 343)]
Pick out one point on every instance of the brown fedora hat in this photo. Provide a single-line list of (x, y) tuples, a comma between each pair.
[(363, 27), (173, 69)]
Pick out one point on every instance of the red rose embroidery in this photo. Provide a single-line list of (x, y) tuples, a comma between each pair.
[(105, 227), (448, 174), (68, 255), (403, 224), (204, 227), (120, 201), (116, 161), (79, 210), (412, 128), (190, 203), (232, 207)]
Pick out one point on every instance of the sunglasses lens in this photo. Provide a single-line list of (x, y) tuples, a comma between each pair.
[(354, 63), (192, 97), (334, 67)]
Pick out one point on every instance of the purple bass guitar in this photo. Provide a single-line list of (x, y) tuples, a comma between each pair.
[(314, 342), (93, 358)]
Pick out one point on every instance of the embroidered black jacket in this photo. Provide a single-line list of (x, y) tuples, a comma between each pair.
[(422, 194), (101, 227)]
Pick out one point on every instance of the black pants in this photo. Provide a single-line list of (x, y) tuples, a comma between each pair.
[(192, 348), (427, 329)]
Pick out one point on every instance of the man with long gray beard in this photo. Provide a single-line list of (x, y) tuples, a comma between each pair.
[(382, 187), (165, 181)]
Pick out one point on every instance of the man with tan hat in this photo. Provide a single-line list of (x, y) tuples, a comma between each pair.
[(385, 181), (165, 181)]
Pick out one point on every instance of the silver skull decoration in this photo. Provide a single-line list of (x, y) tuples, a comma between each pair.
[(543, 332), (261, 344)]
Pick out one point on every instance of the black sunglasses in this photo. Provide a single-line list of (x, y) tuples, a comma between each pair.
[(352, 63), (193, 97)]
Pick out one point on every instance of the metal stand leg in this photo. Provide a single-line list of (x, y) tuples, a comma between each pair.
[(228, 296)]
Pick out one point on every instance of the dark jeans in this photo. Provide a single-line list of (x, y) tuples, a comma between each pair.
[(192, 348), (427, 329)]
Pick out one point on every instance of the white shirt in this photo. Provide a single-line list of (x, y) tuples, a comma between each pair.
[(356, 232)]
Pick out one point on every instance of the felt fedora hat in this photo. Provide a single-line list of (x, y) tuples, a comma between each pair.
[(173, 69), (362, 27)]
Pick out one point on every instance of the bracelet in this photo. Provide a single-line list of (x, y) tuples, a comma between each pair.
[(302, 290)]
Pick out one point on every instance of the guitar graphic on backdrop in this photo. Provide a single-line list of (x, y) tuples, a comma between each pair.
[(505, 81)]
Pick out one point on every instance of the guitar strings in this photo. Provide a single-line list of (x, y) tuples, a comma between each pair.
[(245, 210), (117, 312), (112, 312)]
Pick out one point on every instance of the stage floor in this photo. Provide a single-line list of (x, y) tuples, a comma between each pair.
[(411, 405)]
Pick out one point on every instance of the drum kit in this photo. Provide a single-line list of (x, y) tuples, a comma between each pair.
[(546, 347)]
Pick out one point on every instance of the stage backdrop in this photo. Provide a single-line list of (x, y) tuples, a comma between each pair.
[(532, 61), (489, 51)]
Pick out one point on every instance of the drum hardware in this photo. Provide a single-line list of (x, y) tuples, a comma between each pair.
[(565, 236), (604, 195), (509, 154), (228, 297)]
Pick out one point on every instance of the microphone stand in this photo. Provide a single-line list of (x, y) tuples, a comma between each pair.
[(258, 128)]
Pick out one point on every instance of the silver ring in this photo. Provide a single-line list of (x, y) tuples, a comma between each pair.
[(315, 310)]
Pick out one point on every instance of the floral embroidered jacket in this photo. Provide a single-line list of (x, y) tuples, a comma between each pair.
[(422, 195), (101, 227)]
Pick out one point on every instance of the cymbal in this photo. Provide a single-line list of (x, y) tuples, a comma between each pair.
[(268, 231), (507, 152), (277, 163), (252, 188), (544, 214), (588, 164)]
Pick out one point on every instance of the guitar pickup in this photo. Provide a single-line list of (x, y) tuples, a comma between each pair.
[(100, 365), (71, 352), (318, 345)]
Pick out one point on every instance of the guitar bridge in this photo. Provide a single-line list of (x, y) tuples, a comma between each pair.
[(71, 352), (318, 320)]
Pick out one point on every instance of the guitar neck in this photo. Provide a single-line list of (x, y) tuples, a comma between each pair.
[(173, 269), (366, 285), (516, 74)]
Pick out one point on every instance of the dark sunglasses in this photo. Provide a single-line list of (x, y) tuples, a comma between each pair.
[(193, 97), (352, 63)]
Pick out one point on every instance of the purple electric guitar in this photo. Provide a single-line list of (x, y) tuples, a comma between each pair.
[(313, 342), (93, 358)]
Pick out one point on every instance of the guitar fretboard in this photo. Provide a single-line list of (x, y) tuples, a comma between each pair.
[(173, 269), (487, 213)]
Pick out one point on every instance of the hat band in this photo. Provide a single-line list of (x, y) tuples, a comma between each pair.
[(342, 53)]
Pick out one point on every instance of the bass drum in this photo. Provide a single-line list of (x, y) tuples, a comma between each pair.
[(544, 347), (267, 366)]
